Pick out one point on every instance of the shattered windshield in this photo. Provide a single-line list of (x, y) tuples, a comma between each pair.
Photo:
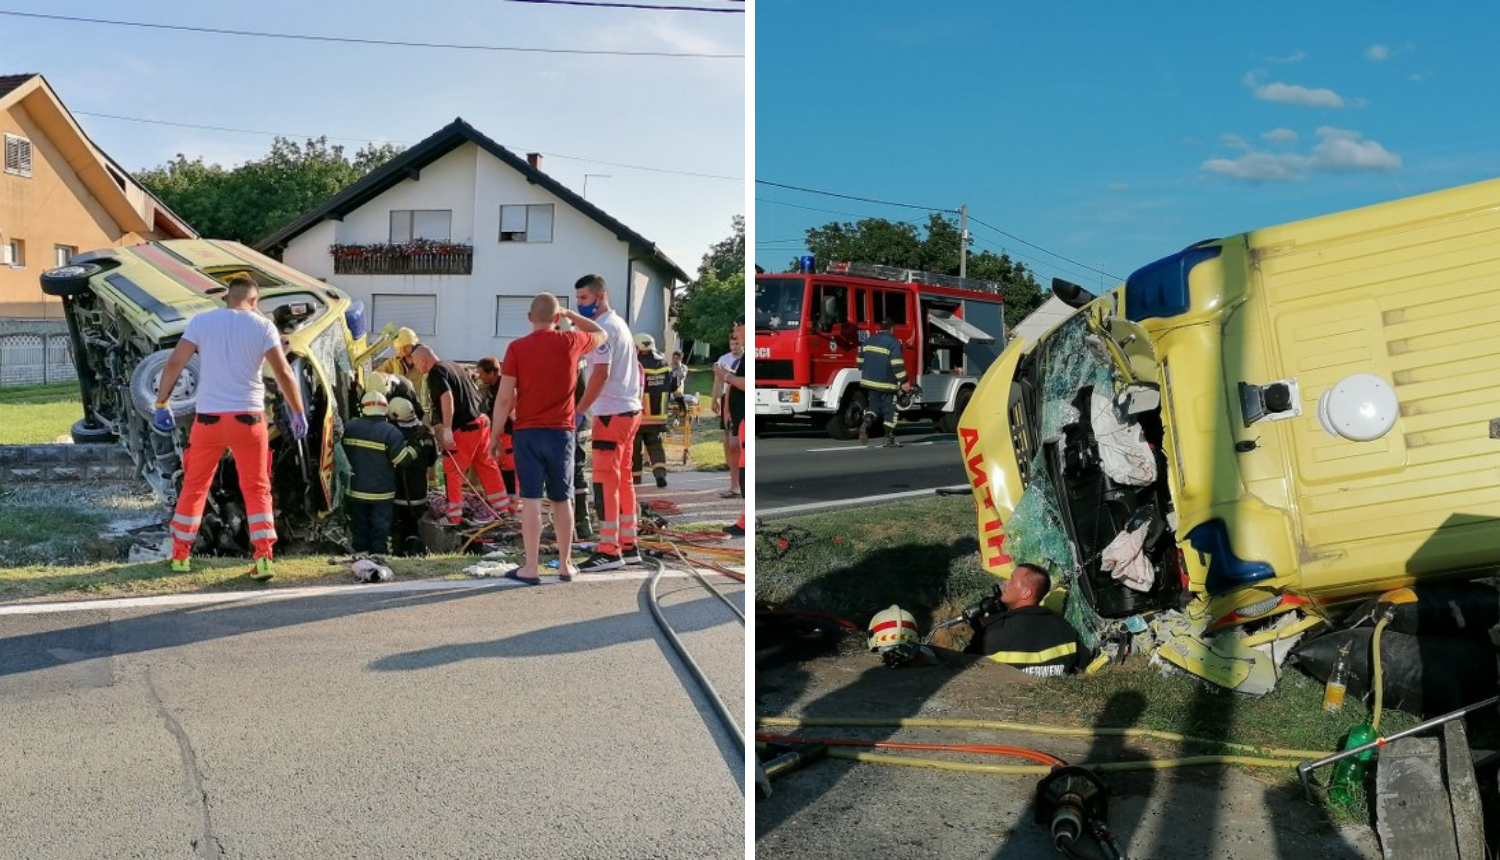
[(778, 303), (1070, 360)]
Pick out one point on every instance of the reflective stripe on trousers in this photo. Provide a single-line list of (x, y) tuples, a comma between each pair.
[(614, 438), (473, 448)]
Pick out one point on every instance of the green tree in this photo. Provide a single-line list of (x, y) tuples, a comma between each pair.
[(709, 306), (933, 249), (248, 202), (726, 257)]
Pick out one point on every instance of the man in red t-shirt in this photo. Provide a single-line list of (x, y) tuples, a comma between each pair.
[(537, 381)]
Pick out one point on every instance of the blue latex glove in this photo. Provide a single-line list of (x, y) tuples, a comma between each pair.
[(299, 426), (163, 420)]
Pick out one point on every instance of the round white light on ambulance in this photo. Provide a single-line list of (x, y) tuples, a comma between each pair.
[(1361, 407)]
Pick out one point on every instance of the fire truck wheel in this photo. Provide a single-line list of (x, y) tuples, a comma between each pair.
[(844, 425), (949, 422)]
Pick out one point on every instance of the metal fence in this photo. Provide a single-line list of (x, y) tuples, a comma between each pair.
[(35, 359)]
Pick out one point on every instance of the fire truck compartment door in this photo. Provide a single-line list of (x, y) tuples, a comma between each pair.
[(959, 329)]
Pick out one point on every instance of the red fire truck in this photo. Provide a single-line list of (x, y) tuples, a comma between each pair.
[(808, 328)]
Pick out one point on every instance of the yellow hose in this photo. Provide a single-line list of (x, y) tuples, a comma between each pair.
[(999, 725), (1042, 770), (1379, 685)]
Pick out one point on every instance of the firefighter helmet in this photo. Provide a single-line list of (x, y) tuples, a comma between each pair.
[(907, 398), (373, 403), (891, 628), (406, 341), (645, 341), (400, 410), (377, 382)]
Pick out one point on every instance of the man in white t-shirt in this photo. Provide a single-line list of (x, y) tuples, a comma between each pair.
[(231, 342), (612, 399)]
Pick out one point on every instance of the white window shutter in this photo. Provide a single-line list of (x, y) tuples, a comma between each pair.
[(418, 312)]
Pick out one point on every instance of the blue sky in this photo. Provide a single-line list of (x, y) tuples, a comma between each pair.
[(609, 116), (1114, 134)]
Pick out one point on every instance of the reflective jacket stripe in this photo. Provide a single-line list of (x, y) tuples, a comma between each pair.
[(370, 497), (365, 443), (1031, 658)]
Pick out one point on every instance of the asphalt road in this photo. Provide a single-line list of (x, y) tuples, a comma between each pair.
[(458, 721), (798, 465)]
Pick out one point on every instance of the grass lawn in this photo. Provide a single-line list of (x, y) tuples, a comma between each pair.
[(36, 414), (923, 556)]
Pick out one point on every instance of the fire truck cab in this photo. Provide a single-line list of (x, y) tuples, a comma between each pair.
[(808, 329)]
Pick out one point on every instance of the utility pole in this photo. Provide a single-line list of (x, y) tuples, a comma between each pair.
[(963, 241)]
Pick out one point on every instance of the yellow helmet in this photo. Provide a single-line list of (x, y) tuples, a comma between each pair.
[(400, 410), (892, 627), (373, 403), (406, 339)]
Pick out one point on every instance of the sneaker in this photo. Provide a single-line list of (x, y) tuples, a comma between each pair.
[(600, 562), (182, 565), (631, 555), (734, 530), (263, 570)]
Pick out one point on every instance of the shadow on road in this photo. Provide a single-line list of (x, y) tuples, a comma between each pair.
[(49, 645)]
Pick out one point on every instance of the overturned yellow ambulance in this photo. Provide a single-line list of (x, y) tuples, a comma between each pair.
[(1283, 419)]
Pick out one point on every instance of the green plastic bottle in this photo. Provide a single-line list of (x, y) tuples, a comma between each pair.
[(1349, 773)]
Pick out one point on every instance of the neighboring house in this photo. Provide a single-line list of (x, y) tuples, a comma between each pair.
[(59, 194), (454, 237)]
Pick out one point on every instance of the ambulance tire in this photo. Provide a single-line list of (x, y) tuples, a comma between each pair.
[(844, 424), (949, 422)]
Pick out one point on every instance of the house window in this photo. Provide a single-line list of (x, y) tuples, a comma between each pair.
[(17, 155), (416, 312), (510, 315), (409, 224), (64, 252), (13, 253), (526, 223)]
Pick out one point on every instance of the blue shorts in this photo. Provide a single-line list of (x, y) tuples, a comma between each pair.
[(544, 461)]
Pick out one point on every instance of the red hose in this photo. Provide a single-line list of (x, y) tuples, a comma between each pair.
[(980, 749)]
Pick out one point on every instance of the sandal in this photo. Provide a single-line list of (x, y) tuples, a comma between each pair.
[(524, 580), (731, 494)]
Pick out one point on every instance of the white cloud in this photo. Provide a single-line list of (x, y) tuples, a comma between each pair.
[(1234, 141), (1343, 150), (1119, 186), (1260, 167), (1295, 94), (1377, 53), (1337, 150), (1294, 57)]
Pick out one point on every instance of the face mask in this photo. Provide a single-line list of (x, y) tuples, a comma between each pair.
[(588, 312)]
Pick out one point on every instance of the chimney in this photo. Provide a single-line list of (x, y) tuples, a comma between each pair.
[(534, 160)]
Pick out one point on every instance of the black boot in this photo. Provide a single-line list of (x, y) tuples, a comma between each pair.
[(583, 525), (864, 430), (661, 475), (890, 438)]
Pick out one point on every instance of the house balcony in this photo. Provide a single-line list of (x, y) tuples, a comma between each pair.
[(413, 259)]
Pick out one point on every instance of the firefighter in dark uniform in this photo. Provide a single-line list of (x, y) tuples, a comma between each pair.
[(656, 379), (376, 449), (411, 479), (1027, 635), (882, 372)]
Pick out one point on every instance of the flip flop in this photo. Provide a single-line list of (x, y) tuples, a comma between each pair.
[(727, 494), (515, 575), (567, 575)]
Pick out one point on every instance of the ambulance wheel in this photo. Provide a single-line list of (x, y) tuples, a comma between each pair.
[(844, 425), (86, 432)]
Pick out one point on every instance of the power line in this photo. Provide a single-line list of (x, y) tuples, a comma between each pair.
[(852, 197), (1043, 250), (398, 142), (628, 6), (354, 41)]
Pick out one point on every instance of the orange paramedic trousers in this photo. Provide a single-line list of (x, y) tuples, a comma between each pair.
[(472, 447), (614, 442), (242, 434)]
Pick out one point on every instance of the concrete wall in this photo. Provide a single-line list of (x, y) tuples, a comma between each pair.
[(67, 463)]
